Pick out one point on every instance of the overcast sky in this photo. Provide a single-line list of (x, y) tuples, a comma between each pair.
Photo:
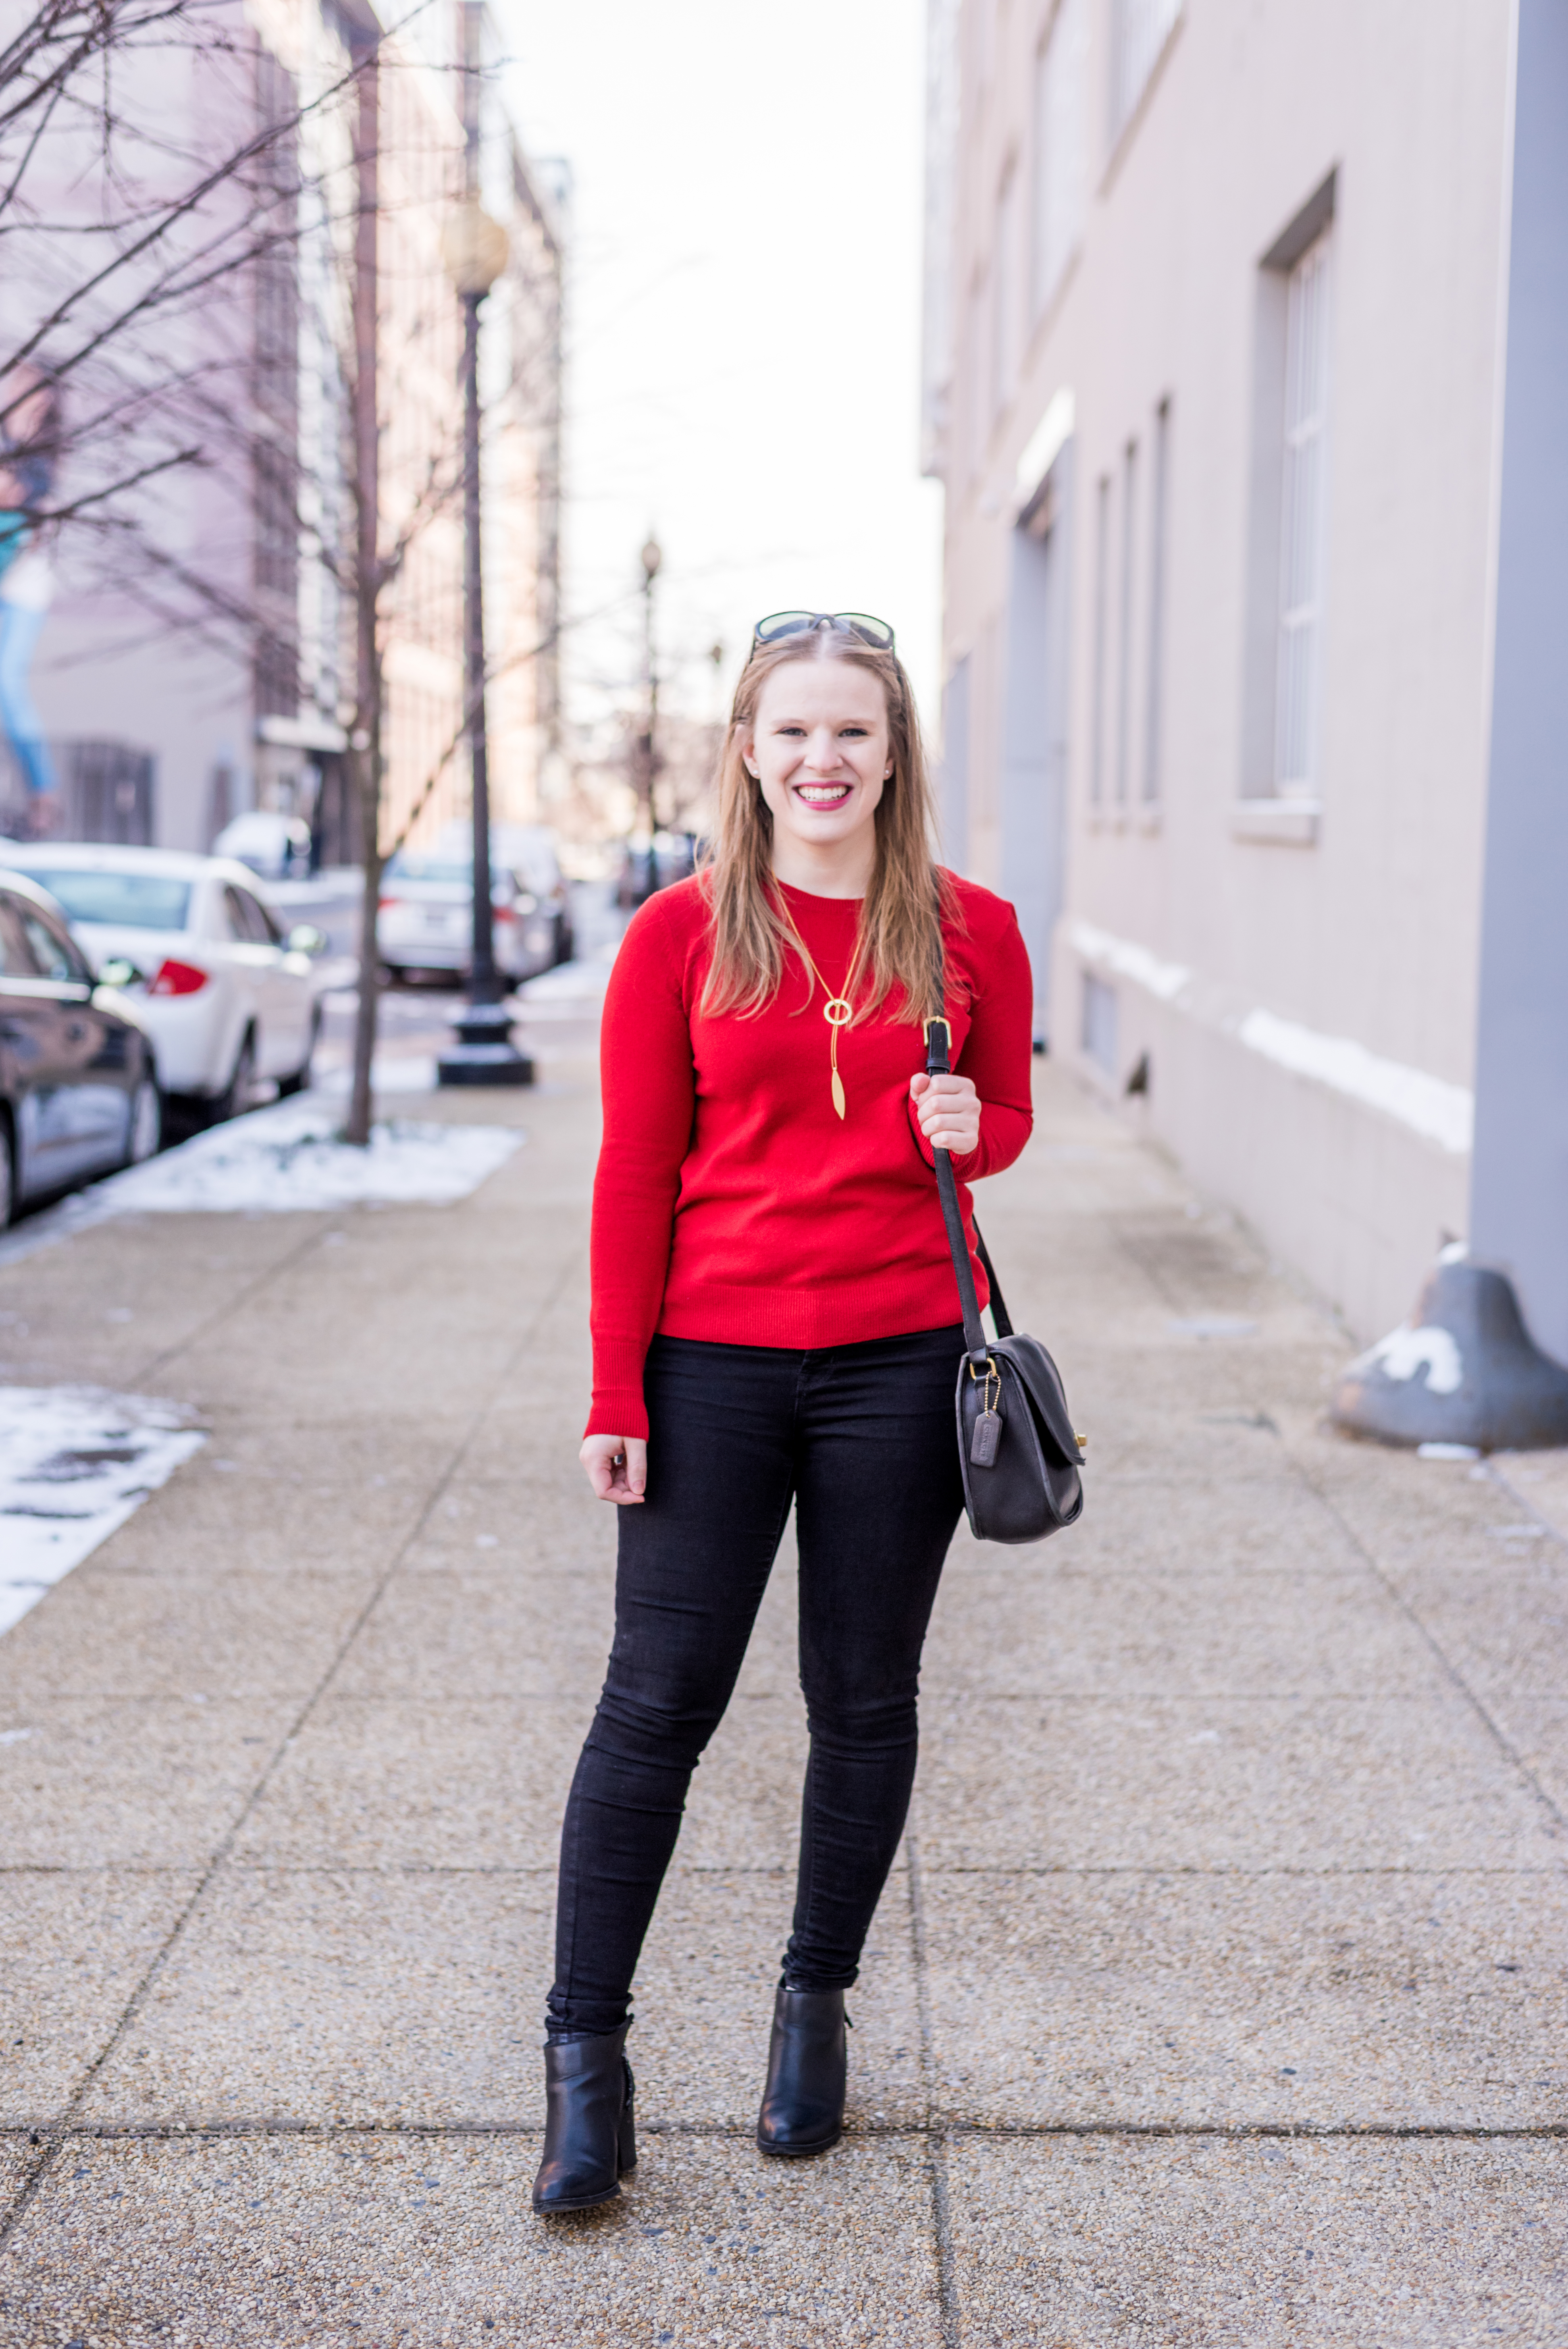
[(745, 292)]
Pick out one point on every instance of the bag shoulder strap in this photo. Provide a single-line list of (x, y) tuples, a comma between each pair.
[(999, 1310), (938, 1063)]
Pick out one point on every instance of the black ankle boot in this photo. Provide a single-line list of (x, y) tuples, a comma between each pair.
[(808, 2058), (589, 2141)]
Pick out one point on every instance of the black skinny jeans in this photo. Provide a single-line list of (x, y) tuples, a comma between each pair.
[(862, 1439)]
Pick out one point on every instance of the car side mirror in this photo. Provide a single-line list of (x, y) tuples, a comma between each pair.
[(306, 940), (117, 972)]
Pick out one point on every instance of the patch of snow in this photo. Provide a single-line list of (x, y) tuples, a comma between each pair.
[(1448, 1452), (390, 1073), (75, 1462), (1438, 1112), (279, 1160), (1129, 960), (1430, 1106), (1404, 1351)]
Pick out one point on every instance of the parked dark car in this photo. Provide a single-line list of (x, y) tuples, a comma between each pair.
[(78, 1091), (673, 857)]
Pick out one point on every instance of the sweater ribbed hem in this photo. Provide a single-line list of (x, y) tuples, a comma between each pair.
[(847, 1313), (802, 1320)]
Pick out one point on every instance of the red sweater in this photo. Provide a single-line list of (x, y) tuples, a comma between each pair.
[(730, 1202)]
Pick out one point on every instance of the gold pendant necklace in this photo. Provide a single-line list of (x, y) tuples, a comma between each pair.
[(838, 1010)]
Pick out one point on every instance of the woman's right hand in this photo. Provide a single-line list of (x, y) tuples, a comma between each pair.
[(616, 1466)]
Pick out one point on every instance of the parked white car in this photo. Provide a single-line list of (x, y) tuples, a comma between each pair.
[(226, 997), (426, 921), (277, 848)]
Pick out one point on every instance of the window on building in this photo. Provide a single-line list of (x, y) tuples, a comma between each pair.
[(1061, 150), (1302, 520), (1004, 298), (1101, 635), (976, 403), (1125, 620), (954, 767), (1153, 715), (1287, 510), (1139, 32), (1097, 1033)]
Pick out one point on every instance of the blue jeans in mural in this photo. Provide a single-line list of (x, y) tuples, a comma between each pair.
[(19, 627)]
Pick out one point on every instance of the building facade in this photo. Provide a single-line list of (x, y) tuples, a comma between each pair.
[(1222, 313), (223, 657)]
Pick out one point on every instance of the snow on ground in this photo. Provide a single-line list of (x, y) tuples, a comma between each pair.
[(289, 1158), (74, 1464), (390, 1073)]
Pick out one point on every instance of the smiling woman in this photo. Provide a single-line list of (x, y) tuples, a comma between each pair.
[(775, 1322)]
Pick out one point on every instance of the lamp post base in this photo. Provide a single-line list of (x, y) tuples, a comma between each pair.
[(484, 1053), (1463, 1371)]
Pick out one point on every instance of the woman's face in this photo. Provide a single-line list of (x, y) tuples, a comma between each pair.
[(820, 748)]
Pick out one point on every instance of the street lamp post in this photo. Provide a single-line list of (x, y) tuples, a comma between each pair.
[(652, 556), (475, 249)]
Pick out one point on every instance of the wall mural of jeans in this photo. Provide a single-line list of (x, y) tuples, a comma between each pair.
[(30, 443)]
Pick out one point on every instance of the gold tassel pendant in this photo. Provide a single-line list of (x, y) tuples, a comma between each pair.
[(838, 1011)]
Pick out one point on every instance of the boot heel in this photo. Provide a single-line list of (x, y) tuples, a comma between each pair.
[(626, 2144)]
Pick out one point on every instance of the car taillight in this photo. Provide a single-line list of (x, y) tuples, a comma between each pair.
[(503, 913), (178, 979), (382, 903)]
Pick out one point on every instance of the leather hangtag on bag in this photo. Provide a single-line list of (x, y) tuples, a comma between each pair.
[(986, 1436)]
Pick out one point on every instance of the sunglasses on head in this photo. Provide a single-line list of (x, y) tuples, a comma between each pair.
[(859, 625)]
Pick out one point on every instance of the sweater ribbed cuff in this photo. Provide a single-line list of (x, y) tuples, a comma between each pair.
[(618, 1405), (617, 1413)]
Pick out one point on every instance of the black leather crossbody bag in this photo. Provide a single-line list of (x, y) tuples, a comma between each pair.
[(1017, 1445)]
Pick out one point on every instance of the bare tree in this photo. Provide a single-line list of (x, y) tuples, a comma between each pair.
[(161, 267)]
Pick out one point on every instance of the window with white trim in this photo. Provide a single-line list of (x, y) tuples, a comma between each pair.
[(1124, 647), (1139, 32), (1101, 635), (977, 390), (1005, 297), (1060, 149), (1159, 527), (1302, 519), (1098, 1022)]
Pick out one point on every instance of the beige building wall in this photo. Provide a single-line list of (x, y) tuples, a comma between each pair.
[(1278, 950), (522, 500), (230, 728), (419, 401)]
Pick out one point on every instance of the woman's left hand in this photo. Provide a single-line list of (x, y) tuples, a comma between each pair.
[(949, 1113)]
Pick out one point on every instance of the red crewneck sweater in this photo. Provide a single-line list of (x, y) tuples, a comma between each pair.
[(730, 1202)]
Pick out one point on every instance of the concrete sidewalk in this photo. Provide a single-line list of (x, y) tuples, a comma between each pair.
[(1219, 2000)]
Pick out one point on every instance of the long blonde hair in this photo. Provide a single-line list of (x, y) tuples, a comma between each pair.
[(900, 942)]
